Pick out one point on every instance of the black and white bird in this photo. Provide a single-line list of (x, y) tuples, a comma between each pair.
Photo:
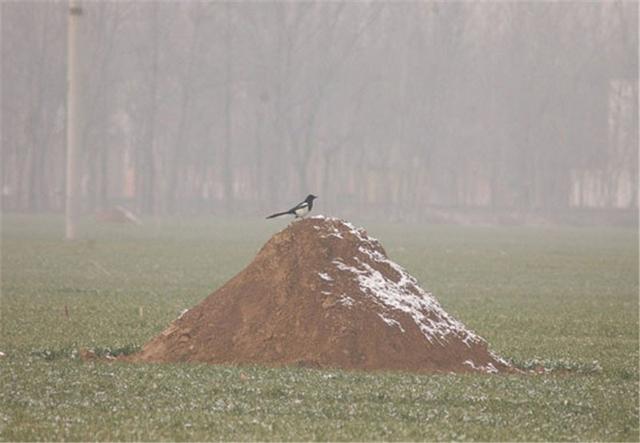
[(299, 210)]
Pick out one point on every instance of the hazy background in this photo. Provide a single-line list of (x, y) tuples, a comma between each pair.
[(504, 112)]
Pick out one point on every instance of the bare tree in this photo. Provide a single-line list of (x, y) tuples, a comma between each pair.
[(73, 125)]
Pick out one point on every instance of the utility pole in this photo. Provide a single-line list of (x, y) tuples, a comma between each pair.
[(73, 125)]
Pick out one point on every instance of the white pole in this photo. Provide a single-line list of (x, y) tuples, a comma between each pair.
[(71, 202)]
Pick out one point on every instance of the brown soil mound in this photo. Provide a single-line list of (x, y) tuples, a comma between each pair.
[(322, 293)]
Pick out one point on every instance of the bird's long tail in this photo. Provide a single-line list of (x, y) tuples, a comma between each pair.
[(278, 214)]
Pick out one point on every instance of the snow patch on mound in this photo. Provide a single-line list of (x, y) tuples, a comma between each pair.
[(404, 295)]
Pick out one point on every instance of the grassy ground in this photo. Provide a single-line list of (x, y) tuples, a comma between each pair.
[(567, 297)]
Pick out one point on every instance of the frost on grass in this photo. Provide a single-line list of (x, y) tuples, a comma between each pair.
[(489, 368), (550, 365)]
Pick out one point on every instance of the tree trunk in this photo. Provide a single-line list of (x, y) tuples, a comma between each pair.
[(227, 172), (145, 167), (73, 126)]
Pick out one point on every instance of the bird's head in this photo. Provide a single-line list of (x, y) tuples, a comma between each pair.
[(310, 198)]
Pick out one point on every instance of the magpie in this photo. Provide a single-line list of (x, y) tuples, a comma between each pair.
[(299, 210)]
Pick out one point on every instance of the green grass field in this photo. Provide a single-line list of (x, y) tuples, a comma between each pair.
[(566, 297)]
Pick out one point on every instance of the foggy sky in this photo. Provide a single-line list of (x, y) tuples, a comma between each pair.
[(412, 110)]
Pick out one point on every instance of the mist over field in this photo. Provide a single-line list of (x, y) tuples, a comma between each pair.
[(463, 112)]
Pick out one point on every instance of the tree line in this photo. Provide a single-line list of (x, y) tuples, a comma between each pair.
[(402, 109)]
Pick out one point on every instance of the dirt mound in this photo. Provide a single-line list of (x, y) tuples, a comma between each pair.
[(322, 293)]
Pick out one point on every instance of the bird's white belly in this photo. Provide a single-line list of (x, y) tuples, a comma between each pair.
[(301, 212)]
